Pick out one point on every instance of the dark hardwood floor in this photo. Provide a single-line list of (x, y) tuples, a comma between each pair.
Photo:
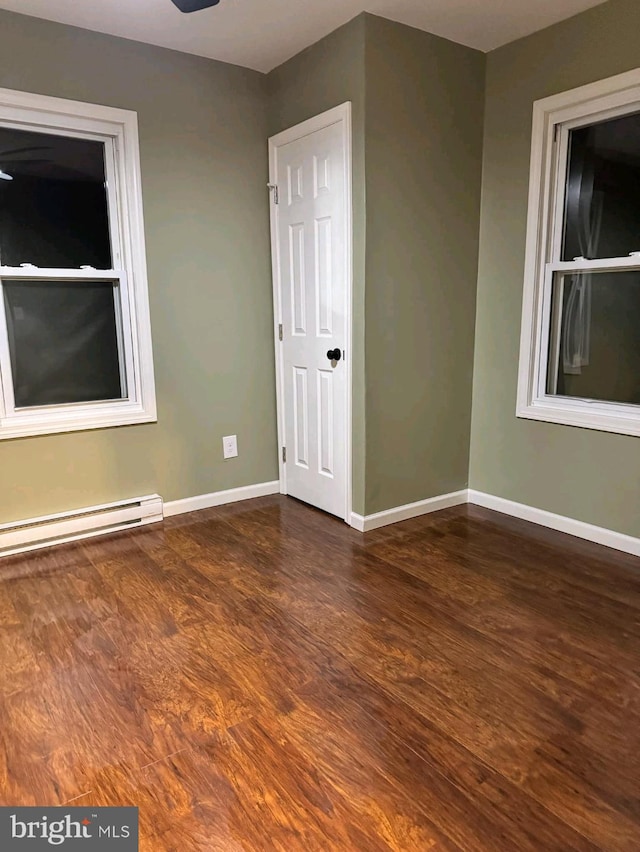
[(260, 677)]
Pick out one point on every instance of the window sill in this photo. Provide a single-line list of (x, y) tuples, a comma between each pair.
[(32, 423), (603, 417)]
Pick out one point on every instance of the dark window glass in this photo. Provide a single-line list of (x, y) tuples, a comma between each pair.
[(602, 204), (594, 348), (63, 342), (53, 202)]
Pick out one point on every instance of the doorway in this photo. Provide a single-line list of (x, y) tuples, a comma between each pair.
[(311, 244)]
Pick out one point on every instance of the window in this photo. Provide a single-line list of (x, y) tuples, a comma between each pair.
[(75, 339), (580, 344)]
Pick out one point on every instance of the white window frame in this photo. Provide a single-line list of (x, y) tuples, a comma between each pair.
[(553, 119), (118, 129)]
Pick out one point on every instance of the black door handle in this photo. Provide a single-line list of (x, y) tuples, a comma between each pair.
[(334, 354)]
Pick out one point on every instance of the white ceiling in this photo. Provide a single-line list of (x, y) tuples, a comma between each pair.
[(261, 34)]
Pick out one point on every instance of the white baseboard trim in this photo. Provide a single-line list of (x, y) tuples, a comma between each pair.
[(219, 498), (600, 535), (571, 526), (34, 533), (365, 523)]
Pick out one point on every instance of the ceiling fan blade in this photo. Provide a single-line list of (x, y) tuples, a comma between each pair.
[(25, 150), (194, 5)]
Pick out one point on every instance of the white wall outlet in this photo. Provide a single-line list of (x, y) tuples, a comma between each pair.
[(230, 446)]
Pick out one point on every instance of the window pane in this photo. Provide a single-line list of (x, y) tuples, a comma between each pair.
[(53, 202), (594, 350), (602, 204), (63, 341)]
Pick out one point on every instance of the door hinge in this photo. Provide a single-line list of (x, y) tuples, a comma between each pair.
[(280, 333), (273, 187), (284, 454)]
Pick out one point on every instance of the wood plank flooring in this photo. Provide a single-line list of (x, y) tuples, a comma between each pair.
[(261, 677)]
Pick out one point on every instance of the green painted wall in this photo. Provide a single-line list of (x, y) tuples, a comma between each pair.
[(417, 120), (424, 113), (322, 76), (592, 476), (203, 131)]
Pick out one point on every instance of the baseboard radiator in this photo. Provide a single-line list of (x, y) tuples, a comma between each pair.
[(21, 536)]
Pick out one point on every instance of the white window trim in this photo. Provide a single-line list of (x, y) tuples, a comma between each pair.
[(553, 118), (44, 114)]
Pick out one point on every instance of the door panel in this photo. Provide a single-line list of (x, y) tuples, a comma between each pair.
[(298, 278), (312, 242), (325, 423), (323, 278), (301, 417)]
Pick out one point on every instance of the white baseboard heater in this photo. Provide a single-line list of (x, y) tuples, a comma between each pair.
[(21, 536)]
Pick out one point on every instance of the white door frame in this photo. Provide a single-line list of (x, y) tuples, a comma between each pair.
[(340, 114)]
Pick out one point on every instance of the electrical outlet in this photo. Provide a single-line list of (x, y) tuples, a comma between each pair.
[(230, 446)]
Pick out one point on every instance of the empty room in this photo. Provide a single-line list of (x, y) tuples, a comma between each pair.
[(319, 423)]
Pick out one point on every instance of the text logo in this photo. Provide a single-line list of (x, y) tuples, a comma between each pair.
[(80, 829)]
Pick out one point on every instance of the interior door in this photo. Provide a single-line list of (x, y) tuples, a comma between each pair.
[(312, 242)]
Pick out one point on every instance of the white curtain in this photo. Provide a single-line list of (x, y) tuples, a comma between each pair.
[(577, 314)]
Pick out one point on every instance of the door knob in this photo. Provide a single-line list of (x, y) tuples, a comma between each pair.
[(334, 354)]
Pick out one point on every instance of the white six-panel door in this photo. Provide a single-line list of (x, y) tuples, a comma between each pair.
[(311, 242)]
